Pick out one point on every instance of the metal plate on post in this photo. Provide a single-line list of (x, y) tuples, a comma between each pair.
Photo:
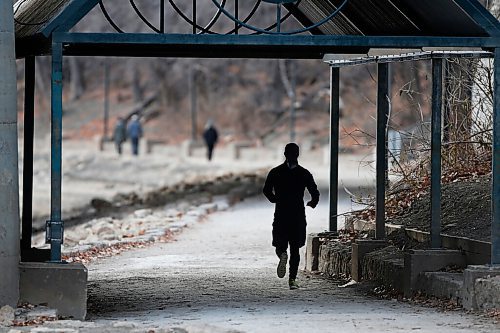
[(54, 231)]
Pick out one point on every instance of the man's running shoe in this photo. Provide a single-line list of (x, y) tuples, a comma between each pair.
[(293, 284), (281, 270)]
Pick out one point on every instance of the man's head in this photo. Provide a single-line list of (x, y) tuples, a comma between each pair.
[(292, 151)]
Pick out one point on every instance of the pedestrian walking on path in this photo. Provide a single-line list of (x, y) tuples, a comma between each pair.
[(134, 131), (285, 186), (119, 134), (210, 136)]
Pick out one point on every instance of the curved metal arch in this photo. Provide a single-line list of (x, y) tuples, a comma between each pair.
[(143, 18), (298, 31), (245, 20), (221, 10), (108, 18), (282, 20), (215, 18), (205, 29)]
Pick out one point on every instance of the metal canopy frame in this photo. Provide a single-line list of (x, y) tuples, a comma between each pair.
[(410, 56), (56, 40)]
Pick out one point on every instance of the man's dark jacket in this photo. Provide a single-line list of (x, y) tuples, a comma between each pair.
[(210, 135), (285, 187)]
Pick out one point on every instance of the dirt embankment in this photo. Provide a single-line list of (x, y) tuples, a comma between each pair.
[(465, 210)]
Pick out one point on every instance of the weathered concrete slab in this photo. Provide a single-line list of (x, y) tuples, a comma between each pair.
[(419, 261), (189, 146), (481, 288), (441, 285), (359, 249), (59, 286), (385, 265), (312, 252)]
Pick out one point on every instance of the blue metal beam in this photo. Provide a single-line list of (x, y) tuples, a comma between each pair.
[(437, 102), (383, 105), (334, 145), (70, 16), (264, 41), (495, 192), (481, 16), (54, 229)]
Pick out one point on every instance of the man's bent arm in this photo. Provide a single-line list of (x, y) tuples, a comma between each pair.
[(313, 190), (268, 189)]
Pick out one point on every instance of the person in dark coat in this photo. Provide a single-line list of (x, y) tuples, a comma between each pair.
[(119, 134), (285, 186), (134, 131), (210, 136)]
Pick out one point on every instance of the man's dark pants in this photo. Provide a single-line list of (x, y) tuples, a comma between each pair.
[(135, 146), (210, 150), (294, 258)]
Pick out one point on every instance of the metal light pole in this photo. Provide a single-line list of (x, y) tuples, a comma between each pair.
[(106, 99), (9, 184), (293, 98), (194, 102)]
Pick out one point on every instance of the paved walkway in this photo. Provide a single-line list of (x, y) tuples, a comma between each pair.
[(219, 276)]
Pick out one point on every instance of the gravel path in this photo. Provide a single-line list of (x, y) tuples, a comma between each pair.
[(219, 276)]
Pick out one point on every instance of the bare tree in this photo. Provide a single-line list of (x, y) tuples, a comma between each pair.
[(77, 78)]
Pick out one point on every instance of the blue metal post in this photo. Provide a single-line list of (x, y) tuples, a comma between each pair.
[(437, 103), (495, 193), (195, 16), (381, 163), (237, 15), (55, 225), (334, 145), (162, 16)]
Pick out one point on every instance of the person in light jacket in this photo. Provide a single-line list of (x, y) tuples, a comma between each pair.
[(134, 132)]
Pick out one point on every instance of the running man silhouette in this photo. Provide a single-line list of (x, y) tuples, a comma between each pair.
[(285, 186)]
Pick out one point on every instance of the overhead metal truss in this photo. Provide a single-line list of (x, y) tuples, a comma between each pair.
[(53, 37)]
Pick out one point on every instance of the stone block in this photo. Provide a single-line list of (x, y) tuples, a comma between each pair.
[(237, 147), (59, 286), (359, 249), (442, 285), (481, 288), (7, 315), (151, 143), (385, 265), (335, 259), (419, 261), (312, 252)]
